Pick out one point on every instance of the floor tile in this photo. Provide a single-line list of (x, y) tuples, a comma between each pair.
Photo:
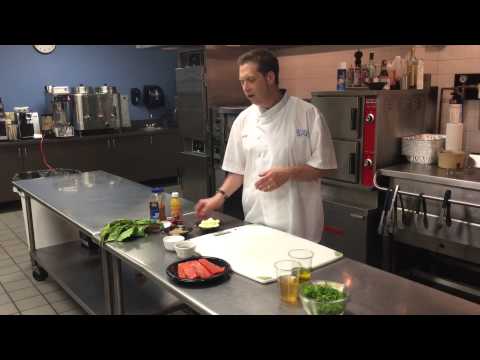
[(17, 251), (21, 258), (4, 231), (42, 310), (64, 305), (24, 293), (5, 270), (18, 246), (7, 236), (46, 288), (6, 262), (11, 242), (4, 279), (18, 229), (31, 303), (26, 266), (17, 285), (55, 296), (78, 311), (5, 299), (8, 309)]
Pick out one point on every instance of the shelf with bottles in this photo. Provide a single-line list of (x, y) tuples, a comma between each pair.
[(397, 74)]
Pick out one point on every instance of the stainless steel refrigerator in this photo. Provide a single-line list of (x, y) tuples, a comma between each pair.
[(206, 78)]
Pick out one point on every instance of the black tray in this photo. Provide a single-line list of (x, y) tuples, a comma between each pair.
[(214, 280)]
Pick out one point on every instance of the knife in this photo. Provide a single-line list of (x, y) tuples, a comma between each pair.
[(445, 212), (390, 223), (381, 224)]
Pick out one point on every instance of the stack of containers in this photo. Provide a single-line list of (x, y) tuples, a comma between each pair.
[(454, 129)]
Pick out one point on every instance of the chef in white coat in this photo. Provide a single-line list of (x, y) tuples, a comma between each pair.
[(278, 149)]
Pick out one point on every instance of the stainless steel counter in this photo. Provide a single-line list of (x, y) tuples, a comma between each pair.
[(372, 291), (91, 200), (466, 178), (123, 133)]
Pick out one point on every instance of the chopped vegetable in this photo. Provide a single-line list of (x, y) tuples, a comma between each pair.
[(209, 223), (324, 298)]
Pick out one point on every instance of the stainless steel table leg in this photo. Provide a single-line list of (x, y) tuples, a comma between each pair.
[(107, 281), (117, 286), (31, 235)]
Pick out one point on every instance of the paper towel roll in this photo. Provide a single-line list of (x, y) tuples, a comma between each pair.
[(454, 140), (455, 113)]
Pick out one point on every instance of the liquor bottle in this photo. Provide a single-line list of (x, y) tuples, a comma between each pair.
[(357, 75), (371, 67), (383, 77), (412, 70), (350, 76)]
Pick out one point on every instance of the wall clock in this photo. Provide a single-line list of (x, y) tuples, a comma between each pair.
[(45, 49)]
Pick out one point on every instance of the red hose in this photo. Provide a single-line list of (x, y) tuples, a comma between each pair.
[(44, 158)]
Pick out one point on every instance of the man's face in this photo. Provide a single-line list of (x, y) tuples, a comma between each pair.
[(256, 87)]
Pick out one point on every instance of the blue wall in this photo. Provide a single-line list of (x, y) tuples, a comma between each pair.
[(24, 72)]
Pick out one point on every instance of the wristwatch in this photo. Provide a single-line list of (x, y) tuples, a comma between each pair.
[(225, 196)]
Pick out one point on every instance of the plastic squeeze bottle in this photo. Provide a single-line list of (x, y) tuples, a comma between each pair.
[(175, 206)]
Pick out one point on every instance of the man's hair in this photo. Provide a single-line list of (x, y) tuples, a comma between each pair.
[(264, 59)]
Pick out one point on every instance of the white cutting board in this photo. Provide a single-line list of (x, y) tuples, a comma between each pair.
[(252, 250)]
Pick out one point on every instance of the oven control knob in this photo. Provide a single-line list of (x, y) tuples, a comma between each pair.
[(370, 117), (368, 163)]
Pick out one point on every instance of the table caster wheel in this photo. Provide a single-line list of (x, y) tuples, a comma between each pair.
[(39, 274)]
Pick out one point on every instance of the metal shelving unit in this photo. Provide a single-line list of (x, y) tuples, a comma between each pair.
[(79, 272)]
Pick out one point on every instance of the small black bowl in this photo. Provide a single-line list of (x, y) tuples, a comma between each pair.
[(376, 85), (208, 230)]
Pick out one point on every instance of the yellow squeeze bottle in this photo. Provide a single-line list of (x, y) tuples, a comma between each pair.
[(175, 206)]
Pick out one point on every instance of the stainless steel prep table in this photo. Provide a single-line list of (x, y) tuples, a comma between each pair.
[(372, 291), (96, 198), (89, 201)]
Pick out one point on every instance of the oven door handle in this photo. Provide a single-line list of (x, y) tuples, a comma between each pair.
[(353, 118), (352, 163)]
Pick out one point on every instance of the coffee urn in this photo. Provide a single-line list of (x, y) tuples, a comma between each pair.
[(24, 120)]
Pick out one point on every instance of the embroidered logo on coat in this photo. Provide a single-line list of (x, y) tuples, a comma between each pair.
[(302, 132)]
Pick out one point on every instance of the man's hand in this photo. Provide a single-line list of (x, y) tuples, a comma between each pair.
[(204, 207), (273, 179)]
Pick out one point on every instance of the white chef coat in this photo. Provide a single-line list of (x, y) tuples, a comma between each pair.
[(291, 133)]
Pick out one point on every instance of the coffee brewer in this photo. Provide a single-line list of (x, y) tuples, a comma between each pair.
[(24, 120), (59, 103)]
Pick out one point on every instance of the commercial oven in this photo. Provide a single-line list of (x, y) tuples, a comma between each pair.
[(366, 128)]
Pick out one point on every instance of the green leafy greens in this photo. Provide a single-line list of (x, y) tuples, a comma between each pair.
[(124, 229)]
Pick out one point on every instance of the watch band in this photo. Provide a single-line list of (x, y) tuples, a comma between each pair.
[(225, 196)]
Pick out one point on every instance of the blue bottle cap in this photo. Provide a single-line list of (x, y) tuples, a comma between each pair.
[(157, 190)]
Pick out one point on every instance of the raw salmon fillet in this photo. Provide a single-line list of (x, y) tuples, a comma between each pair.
[(181, 271), (200, 270), (190, 270), (212, 268)]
